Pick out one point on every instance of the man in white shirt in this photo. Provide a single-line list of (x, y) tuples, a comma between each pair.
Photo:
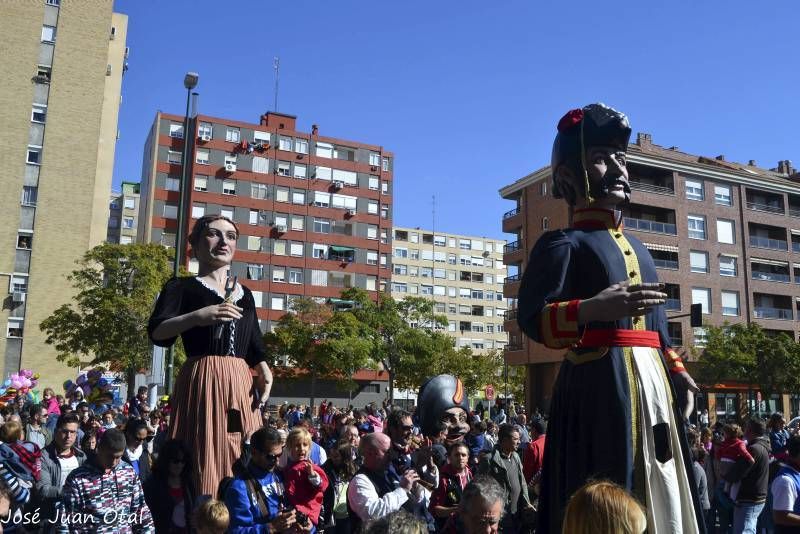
[(371, 495), (786, 491)]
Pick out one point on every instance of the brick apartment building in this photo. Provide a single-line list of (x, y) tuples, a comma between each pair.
[(314, 212), (62, 76), (725, 235)]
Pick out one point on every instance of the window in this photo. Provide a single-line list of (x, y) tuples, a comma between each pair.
[(372, 207), (172, 184), (205, 129), (53, 2), (300, 171), (296, 248), (14, 327), (29, 195), (281, 194), (253, 217), (694, 190), (113, 221), (253, 242), (372, 257), (279, 274), (425, 290), (201, 183), (344, 201), (295, 276), (384, 260), (170, 211), (400, 269), (229, 187), (702, 296), (230, 160), (727, 266), (284, 168), (385, 165), (730, 303), (255, 271), (700, 336), (722, 195), (698, 260), (374, 159), (301, 146), (24, 241), (201, 156), (48, 34), (198, 210), (319, 251), (39, 113), (398, 287), (129, 203), (278, 303), (384, 236), (34, 154), (176, 130), (373, 183), (232, 135), (323, 150), (322, 200), (260, 165), (284, 143), (279, 247), (281, 220), (319, 278), (725, 233), (127, 222), (174, 157), (545, 223), (258, 191), (372, 231), (260, 137), (400, 252), (322, 226), (298, 197), (697, 227), (464, 244), (298, 223)]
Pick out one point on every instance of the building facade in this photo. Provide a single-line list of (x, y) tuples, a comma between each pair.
[(123, 214), (58, 107), (722, 234), (463, 275), (314, 213)]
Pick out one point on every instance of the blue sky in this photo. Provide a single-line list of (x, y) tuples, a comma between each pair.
[(467, 94)]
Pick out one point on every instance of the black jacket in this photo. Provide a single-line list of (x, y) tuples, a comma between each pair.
[(161, 503), (754, 477)]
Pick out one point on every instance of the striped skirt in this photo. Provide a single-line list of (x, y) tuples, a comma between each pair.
[(213, 408)]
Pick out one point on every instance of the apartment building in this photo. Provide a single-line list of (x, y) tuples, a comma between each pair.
[(463, 275), (724, 235), (123, 214), (62, 75), (314, 212)]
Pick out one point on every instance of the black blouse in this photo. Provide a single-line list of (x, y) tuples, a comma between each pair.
[(184, 295)]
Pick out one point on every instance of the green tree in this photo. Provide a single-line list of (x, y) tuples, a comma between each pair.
[(402, 335), (320, 343), (746, 353), (106, 324)]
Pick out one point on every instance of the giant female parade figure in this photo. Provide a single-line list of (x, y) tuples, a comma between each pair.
[(593, 289), (216, 401)]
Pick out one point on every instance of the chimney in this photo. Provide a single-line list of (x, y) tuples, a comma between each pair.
[(643, 139), (314, 129), (789, 168), (782, 167), (721, 157), (752, 163), (673, 148)]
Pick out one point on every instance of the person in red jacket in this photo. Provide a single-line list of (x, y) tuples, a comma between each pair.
[(533, 457), (454, 478), (305, 482)]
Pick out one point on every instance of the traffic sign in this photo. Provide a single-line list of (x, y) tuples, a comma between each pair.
[(489, 392)]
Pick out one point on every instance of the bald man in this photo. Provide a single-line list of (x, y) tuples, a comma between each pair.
[(371, 494)]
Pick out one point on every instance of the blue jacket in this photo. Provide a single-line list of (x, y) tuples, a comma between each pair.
[(244, 510)]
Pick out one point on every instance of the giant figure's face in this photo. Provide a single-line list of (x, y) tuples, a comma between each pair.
[(608, 176), (457, 426)]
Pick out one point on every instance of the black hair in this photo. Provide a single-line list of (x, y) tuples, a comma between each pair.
[(757, 427), (66, 419), (171, 449), (264, 438), (134, 426), (793, 446), (539, 425), (395, 418), (113, 440)]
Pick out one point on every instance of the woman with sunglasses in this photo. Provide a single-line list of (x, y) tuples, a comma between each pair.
[(216, 400), (170, 492)]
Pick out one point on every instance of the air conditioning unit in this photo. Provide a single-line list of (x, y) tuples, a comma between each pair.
[(18, 296), (280, 228), (338, 184), (350, 213), (230, 167), (204, 137)]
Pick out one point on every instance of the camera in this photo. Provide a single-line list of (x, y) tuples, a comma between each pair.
[(299, 516)]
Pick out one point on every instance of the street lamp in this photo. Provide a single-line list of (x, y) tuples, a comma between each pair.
[(189, 82)]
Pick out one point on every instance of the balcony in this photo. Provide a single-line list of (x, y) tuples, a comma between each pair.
[(514, 246), (651, 226), (666, 264), (772, 313), (513, 278), (771, 277), (510, 213), (768, 243), (757, 206), (651, 188), (511, 315), (764, 201), (513, 346)]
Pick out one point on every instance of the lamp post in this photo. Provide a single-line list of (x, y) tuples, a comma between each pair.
[(189, 82)]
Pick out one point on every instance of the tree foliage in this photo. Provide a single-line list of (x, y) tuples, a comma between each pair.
[(746, 353), (106, 323)]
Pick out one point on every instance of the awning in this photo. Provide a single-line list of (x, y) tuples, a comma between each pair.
[(342, 250), (795, 232), (770, 262), (665, 248)]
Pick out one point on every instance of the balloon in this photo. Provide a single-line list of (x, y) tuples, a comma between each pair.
[(15, 383), (7, 382)]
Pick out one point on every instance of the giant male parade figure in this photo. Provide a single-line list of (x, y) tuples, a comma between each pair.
[(593, 289)]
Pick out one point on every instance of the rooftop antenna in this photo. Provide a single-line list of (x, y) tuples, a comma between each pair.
[(276, 64)]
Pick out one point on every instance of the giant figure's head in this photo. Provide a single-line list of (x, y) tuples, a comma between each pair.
[(442, 398), (588, 162)]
